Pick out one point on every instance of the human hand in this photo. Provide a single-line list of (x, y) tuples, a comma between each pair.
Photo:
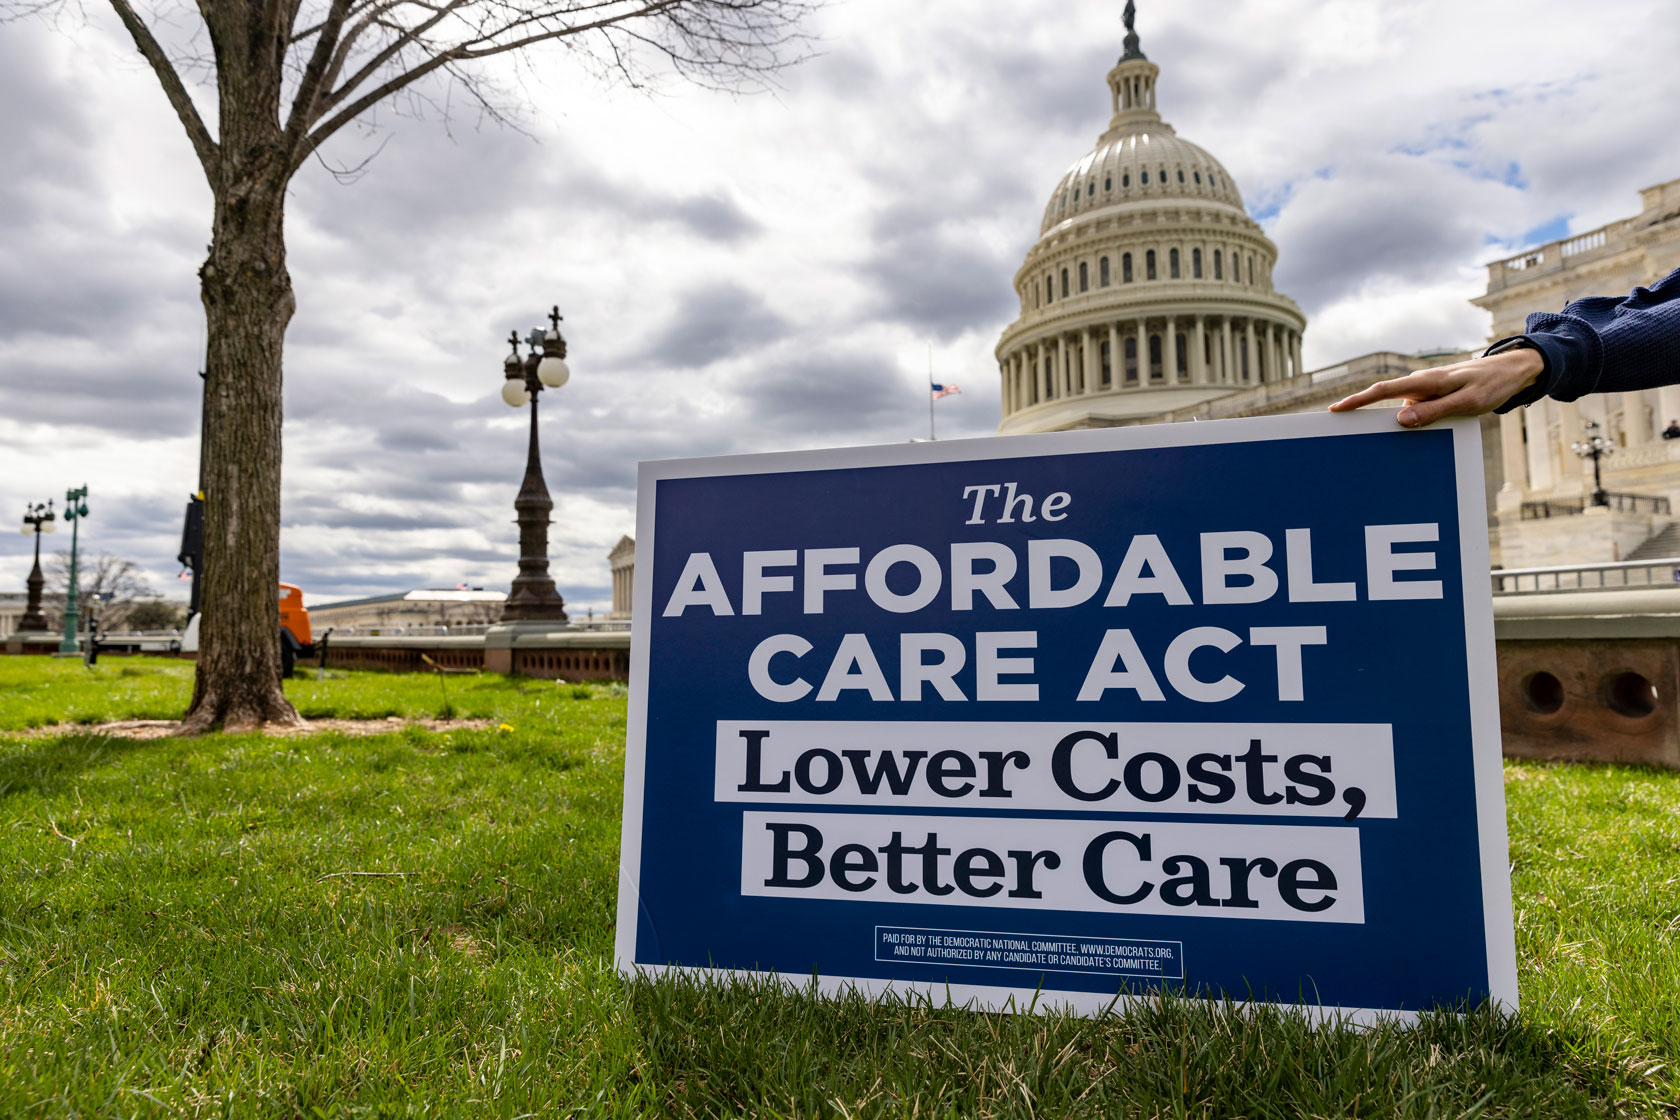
[(1462, 389)]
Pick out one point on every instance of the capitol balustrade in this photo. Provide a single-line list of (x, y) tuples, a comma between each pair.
[(1543, 508), (1663, 573), (1555, 255)]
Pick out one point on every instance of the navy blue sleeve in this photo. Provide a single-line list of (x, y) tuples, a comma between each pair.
[(1606, 344)]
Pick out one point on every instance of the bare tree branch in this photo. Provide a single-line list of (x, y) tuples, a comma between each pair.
[(383, 56), (704, 37), (303, 103), (209, 155)]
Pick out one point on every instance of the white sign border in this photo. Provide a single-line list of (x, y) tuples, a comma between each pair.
[(1481, 673)]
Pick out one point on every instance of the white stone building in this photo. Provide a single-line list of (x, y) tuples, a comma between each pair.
[(622, 561), (1150, 287), (1541, 501), (404, 610), (1148, 299)]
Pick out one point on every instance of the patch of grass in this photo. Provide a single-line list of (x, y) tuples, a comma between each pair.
[(42, 691), (420, 924)]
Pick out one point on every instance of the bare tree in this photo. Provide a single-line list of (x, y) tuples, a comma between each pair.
[(155, 614), (287, 75), (105, 584)]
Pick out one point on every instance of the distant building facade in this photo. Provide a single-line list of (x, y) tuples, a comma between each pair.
[(1539, 473), (402, 610), (12, 607), (622, 560)]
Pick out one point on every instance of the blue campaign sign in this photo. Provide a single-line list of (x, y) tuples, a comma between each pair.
[(1206, 705)]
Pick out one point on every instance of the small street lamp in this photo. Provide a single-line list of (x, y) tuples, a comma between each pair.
[(1594, 447), (37, 519), (533, 597), (75, 508)]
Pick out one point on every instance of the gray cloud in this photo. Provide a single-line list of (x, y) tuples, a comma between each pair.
[(721, 320)]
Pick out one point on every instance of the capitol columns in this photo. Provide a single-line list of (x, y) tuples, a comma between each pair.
[(1170, 355), (1634, 424), (1198, 354), (1089, 342), (1251, 354), (1513, 457), (1227, 361), (1569, 429), (1295, 345), (1116, 356), (1143, 350), (1668, 405)]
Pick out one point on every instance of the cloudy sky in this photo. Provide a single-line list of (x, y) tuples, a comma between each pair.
[(767, 272)]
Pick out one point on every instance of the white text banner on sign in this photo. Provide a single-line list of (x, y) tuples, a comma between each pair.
[(1342, 770), (1279, 872)]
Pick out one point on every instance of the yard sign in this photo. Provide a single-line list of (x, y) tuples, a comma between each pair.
[(1064, 716)]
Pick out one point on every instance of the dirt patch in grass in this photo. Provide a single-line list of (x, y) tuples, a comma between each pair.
[(163, 728)]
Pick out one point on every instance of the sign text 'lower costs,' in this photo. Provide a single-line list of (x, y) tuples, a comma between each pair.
[(1206, 705)]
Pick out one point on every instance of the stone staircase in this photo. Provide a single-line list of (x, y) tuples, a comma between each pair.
[(1660, 546)]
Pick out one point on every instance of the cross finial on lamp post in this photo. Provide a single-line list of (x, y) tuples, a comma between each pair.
[(554, 317)]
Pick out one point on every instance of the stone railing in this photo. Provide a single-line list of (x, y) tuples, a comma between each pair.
[(1551, 255), (1585, 243), (1568, 507), (1620, 576), (1654, 454)]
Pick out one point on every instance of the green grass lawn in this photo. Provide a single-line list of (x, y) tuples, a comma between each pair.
[(420, 923)]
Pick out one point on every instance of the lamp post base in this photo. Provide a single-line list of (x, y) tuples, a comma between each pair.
[(501, 639)]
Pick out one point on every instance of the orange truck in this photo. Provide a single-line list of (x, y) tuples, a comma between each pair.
[(296, 638)]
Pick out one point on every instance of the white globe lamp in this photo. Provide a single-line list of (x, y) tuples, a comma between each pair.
[(553, 372)]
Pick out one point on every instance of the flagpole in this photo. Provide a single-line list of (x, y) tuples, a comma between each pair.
[(931, 436)]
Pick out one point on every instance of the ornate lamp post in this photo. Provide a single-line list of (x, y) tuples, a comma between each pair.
[(75, 508), (1594, 447), (533, 597), (37, 519)]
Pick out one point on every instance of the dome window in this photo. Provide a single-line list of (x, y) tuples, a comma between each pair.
[(1198, 176), (1091, 189), (1126, 268), (1049, 289), (1196, 264), (1218, 266), (1163, 174), (1172, 263), (1125, 180), (1064, 283), (1181, 174), (1146, 177), (1084, 277), (1108, 184), (1102, 272), (1149, 265), (1131, 349)]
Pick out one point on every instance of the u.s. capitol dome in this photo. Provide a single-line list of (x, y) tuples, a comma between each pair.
[(1150, 287)]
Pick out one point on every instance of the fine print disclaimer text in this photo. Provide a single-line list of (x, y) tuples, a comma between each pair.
[(1159, 960)]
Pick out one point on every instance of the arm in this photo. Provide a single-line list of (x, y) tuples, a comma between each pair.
[(1597, 345), (1463, 389)]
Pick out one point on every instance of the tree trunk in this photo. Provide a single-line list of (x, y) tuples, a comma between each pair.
[(248, 303)]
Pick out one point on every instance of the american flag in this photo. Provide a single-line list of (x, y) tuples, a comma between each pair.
[(945, 390), (462, 587)]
